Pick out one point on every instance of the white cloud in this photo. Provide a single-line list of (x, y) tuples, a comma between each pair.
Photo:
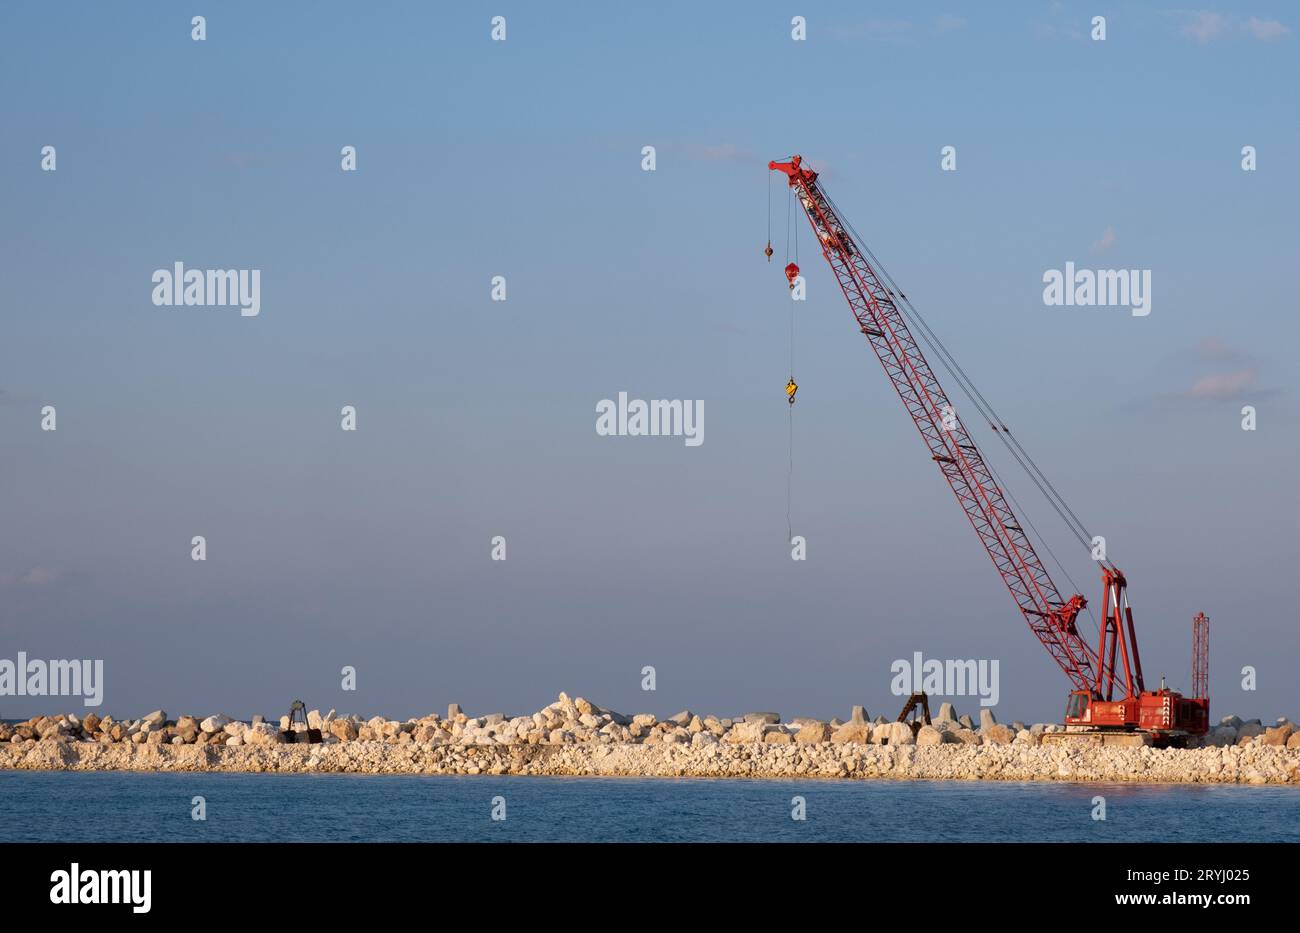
[(1266, 30), (1204, 26), (883, 30), (1106, 242), (37, 576), (1222, 385)]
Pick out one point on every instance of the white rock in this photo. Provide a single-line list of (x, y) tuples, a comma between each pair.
[(259, 734), (929, 735), (215, 723), (893, 733)]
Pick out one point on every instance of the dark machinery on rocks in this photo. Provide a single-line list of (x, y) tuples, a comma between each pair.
[(1109, 702), (304, 736), (915, 701)]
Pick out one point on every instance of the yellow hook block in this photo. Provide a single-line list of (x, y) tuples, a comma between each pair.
[(791, 388)]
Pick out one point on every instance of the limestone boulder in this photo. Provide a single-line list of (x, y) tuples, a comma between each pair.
[(215, 723), (893, 733), (261, 734), (745, 733), (852, 733), (1277, 735), (929, 735), (813, 733), (997, 735)]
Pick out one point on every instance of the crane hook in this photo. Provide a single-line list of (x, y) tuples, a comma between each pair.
[(768, 252), (791, 388), (792, 273)]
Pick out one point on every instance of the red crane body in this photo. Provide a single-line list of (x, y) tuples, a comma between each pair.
[(1094, 673)]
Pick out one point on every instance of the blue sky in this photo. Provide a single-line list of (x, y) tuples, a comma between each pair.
[(476, 418)]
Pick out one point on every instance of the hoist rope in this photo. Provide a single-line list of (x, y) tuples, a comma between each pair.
[(789, 482), (789, 476), (971, 391), (1041, 540), (788, 206)]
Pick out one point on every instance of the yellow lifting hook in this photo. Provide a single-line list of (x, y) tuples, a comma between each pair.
[(791, 388)]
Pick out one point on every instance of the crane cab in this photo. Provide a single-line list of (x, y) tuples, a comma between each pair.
[(1078, 709)]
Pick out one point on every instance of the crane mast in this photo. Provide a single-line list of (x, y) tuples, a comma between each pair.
[(1094, 674)]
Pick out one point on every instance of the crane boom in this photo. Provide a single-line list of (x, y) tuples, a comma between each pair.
[(1104, 704), (1050, 617)]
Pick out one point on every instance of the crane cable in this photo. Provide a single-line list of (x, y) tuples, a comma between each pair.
[(968, 387), (768, 251), (789, 475), (981, 403)]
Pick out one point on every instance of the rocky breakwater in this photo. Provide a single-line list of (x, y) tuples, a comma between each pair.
[(577, 737)]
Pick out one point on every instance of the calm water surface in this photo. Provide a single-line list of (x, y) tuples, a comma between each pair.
[(113, 806)]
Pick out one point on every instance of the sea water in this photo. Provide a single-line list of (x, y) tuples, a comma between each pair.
[(126, 806)]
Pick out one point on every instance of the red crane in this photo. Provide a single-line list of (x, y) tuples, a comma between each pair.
[(1108, 688)]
